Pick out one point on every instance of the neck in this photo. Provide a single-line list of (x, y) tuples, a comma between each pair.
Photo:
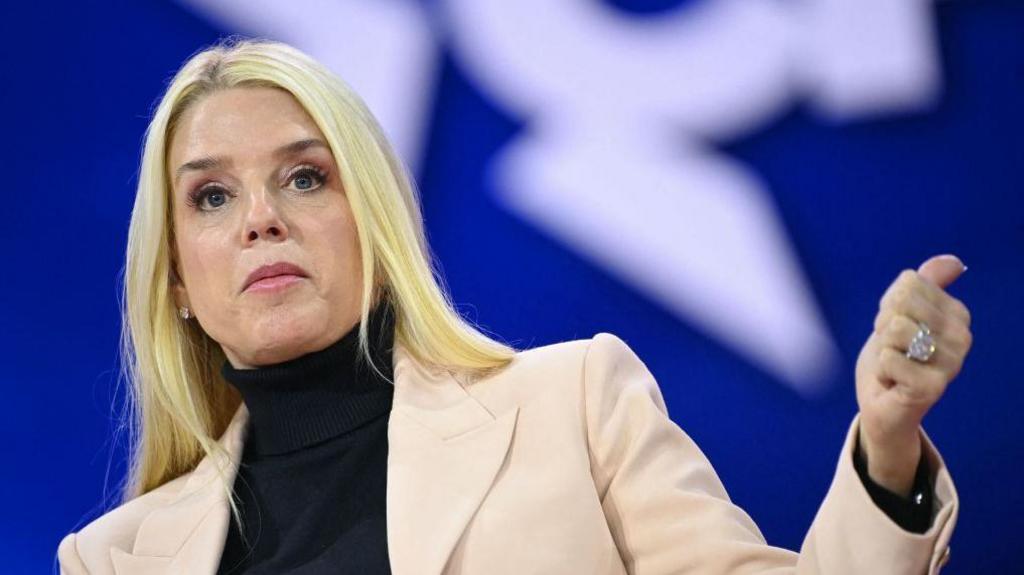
[(312, 398)]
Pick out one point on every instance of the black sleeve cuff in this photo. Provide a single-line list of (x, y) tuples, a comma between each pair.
[(912, 513)]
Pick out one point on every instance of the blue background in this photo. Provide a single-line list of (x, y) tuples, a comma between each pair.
[(78, 84)]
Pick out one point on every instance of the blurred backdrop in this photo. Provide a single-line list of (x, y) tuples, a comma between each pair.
[(728, 185)]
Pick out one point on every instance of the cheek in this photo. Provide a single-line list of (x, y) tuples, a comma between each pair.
[(206, 262), (348, 239), (338, 248)]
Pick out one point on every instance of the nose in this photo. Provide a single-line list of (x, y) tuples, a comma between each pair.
[(263, 219)]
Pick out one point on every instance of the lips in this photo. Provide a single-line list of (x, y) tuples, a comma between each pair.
[(272, 270)]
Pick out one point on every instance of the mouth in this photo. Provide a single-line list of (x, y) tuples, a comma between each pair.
[(274, 277)]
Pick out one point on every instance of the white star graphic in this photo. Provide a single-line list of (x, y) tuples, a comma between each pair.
[(617, 159)]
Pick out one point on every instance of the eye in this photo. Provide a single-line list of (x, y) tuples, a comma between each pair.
[(308, 178), (215, 198), (208, 198)]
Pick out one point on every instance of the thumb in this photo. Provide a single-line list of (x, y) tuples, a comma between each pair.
[(942, 270)]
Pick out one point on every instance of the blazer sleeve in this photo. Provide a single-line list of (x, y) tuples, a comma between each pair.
[(668, 511)]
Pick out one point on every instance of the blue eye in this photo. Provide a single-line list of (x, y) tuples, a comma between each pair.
[(308, 178), (212, 196)]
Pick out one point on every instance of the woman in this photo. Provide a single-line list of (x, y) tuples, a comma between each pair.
[(307, 400)]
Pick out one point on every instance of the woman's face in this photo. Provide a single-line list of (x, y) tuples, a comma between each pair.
[(254, 184)]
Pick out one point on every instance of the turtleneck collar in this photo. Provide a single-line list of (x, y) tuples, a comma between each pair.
[(320, 395)]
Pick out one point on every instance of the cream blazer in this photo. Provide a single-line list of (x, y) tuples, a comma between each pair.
[(565, 461)]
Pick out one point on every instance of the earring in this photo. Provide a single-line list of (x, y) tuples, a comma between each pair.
[(184, 312)]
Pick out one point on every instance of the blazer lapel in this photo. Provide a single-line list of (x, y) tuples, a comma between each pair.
[(187, 534), (444, 452)]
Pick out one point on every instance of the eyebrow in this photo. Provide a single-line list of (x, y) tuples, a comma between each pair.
[(210, 163)]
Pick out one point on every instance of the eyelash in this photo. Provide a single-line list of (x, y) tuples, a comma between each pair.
[(197, 196)]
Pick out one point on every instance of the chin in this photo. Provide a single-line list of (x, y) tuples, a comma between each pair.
[(280, 336)]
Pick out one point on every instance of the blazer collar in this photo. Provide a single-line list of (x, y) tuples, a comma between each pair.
[(444, 451)]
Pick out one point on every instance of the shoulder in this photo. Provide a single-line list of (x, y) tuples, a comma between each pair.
[(600, 357), (573, 355), (563, 358), (88, 549), (570, 368)]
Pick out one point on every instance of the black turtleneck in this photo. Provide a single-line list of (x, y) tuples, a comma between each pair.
[(312, 481)]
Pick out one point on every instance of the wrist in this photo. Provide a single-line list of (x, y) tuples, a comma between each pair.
[(892, 462), (914, 513)]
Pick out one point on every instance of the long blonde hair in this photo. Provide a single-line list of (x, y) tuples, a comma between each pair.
[(177, 402)]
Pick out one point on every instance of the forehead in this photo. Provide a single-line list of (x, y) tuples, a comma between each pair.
[(253, 121)]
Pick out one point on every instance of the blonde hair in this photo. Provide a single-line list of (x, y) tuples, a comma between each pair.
[(177, 402)]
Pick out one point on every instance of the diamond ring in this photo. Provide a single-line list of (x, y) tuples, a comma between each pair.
[(923, 345)]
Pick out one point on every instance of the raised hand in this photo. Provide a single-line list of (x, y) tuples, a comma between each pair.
[(894, 391)]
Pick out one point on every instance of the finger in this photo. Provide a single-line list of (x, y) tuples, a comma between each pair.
[(943, 300), (915, 306), (949, 334), (909, 282), (920, 384), (942, 270), (957, 309), (901, 330), (955, 334)]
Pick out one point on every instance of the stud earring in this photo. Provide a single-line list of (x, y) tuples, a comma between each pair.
[(184, 312)]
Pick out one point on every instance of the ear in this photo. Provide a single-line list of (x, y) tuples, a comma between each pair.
[(178, 290)]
